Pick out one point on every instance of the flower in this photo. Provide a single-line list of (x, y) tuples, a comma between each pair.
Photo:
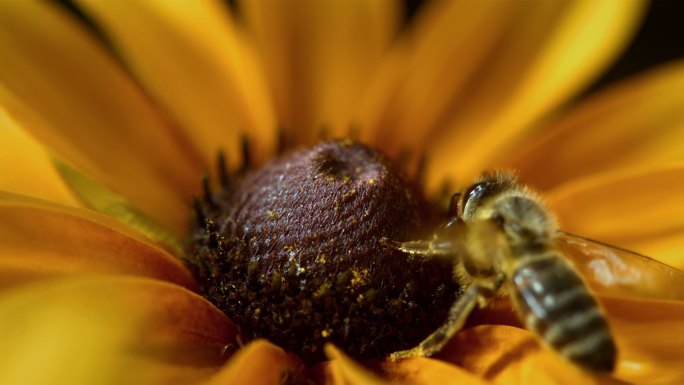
[(100, 136)]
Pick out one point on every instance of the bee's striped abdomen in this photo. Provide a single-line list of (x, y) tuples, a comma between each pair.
[(554, 302)]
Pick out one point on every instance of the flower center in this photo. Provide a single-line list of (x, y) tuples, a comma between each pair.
[(292, 252)]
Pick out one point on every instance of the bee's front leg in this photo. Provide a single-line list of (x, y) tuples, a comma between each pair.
[(458, 314)]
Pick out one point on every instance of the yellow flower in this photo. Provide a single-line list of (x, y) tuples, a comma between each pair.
[(92, 291)]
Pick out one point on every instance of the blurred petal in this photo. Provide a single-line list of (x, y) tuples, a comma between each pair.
[(427, 371), (342, 370), (99, 198), (427, 70), (649, 345), (319, 57), (25, 166), (107, 330), (638, 124), (258, 363), (89, 112), (543, 56), (509, 355), (192, 60), (39, 239), (631, 209)]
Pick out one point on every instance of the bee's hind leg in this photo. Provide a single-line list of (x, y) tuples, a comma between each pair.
[(458, 314)]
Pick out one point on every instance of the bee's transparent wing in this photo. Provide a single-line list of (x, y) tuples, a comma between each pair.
[(615, 271)]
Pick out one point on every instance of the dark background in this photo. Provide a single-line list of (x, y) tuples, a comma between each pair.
[(660, 39)]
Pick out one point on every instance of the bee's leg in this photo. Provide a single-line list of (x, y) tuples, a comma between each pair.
[(429, 249), (458, 314), (457, 317)]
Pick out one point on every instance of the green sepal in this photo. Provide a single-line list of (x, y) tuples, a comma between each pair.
[(101, 199)]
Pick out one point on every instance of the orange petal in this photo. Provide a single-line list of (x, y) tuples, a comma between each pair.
[(39, 239), (195, 63), (258, 363), (343, 370), (319, 57), (631, 209), (109, 330), (638, 124), (427, 371), (88, 110), (649, 344), (509, 355), (36, 176), (543, 56)]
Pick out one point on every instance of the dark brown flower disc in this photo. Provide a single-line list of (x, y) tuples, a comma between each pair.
[(293, 252)]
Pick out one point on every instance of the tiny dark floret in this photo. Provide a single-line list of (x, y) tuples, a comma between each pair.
[(292, 252)]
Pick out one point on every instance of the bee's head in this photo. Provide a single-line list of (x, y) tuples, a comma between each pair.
[(490, 185)]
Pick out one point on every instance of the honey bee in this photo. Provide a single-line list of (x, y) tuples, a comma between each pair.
[(503, 239)]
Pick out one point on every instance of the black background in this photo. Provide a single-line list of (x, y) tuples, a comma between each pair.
[(659, 40)]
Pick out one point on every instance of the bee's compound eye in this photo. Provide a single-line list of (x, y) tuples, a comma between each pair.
[(472, 197)]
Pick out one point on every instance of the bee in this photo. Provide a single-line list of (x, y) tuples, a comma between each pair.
[(503, 239)]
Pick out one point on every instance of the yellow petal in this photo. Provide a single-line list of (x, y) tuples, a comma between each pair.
[(343, 370), (258, 363), (319, 57), (194, 62), (630, 209), (39, 239), (638, 124), (87, 110), (101, 199), (25, 166), (649, 347), (544, 56), (106, 330)]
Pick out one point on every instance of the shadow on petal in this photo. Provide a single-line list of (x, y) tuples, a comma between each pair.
[(39, 239), (109, 330)]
